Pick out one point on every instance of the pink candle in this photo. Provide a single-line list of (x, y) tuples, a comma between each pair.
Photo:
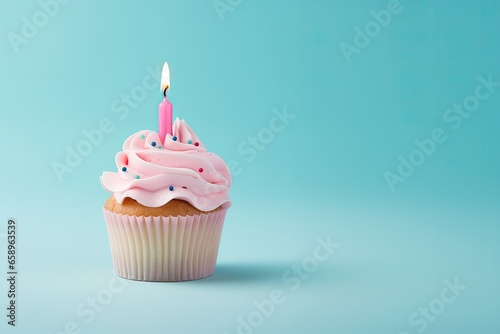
[(165, 107), (164, 119)]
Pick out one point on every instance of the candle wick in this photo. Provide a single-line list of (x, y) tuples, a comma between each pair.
[(165, 91)]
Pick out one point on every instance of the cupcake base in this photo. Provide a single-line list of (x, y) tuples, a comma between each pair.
[(164, 248)]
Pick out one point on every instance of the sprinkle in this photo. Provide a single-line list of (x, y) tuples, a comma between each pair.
[(190, 141), (174, 138), (137, 176), (124, 169), (153, 143), (200, 170), (159, 146), (196, 143), (171, 188), (142, 137), (184, 187)]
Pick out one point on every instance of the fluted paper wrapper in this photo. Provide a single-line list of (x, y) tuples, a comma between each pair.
[(164, 248)]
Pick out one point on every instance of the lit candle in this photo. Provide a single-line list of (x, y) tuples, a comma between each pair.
[(165, 107)]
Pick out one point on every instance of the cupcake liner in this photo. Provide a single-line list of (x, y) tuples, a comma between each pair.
[(164, 248)]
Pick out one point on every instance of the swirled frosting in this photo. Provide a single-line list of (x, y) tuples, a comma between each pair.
[(153, 171)]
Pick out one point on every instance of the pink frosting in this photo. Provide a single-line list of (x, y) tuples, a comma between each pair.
[(197, 176)]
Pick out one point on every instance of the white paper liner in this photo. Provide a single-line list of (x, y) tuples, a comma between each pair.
[(164, 248)]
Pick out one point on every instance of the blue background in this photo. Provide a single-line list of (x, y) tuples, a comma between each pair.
[(322, 175)]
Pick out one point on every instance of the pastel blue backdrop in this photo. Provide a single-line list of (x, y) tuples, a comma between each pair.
[(357, 102)]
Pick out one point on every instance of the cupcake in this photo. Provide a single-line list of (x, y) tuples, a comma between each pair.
[(167, 208)]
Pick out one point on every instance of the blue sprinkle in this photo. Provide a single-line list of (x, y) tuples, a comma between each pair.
[(159, 146), (124, 169), (142, 137), (174, 138), (171, 188), (153, 143), (137, 176), (190, 141)]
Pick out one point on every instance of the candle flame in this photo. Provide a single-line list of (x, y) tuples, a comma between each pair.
[(165, 78)]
